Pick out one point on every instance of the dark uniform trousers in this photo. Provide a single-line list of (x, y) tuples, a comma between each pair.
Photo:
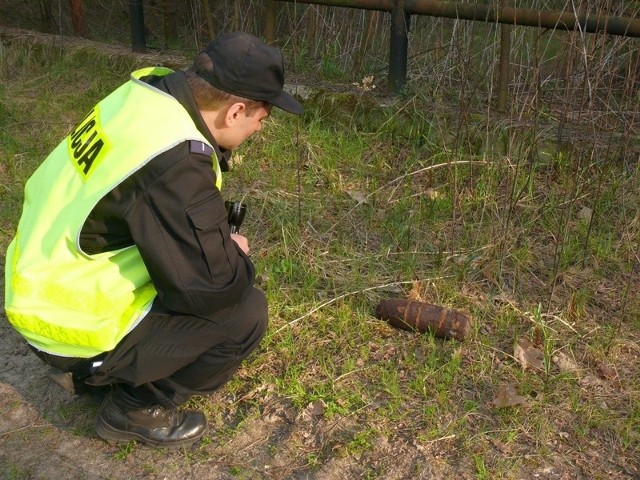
[(169, 357)]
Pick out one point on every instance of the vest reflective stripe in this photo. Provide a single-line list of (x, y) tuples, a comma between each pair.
[(60, 299), (76, 338)]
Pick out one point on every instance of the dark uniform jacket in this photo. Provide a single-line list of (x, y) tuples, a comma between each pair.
[(172, 211)]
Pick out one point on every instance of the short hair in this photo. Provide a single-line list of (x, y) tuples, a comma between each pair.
[(208, 97)]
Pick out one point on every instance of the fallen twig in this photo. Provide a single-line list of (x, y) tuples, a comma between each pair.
[(339, 297), (9, 432)]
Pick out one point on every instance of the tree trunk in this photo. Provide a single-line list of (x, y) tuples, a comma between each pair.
[(372, 20), (209, 18), (170, 15), (78, 19), (48, 23)]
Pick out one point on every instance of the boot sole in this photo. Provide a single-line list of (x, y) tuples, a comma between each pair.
[(113, 435)]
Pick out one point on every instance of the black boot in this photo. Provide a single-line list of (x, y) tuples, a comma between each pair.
[(123, 417)]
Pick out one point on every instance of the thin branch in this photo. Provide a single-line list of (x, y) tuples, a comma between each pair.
[(415, 172), (9, 432), (344, 295)]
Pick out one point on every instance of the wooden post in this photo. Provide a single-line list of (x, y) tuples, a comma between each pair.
[(235, 19), (78, 19), (48, 23), (505, 50), (398, 46), (136, 13), (209, 18), (372, 18), (270, 19), (170, 14)]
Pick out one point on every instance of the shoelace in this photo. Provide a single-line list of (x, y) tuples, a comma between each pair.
[(158, 410)]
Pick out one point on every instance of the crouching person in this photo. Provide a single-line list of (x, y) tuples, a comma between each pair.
[(123, 272)]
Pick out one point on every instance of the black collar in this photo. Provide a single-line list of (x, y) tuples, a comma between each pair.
[(175, 84)]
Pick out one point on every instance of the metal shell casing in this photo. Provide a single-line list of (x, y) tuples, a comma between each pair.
[(422, 317)]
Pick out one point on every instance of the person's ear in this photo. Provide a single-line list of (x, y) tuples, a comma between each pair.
[(233, 113)]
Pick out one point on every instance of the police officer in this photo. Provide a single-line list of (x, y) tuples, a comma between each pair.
[(123, 272)]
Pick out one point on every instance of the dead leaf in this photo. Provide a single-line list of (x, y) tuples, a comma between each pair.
[(316, 408), (503, 447), (607, 372), (415, 294), (236, 160), (591, 381), (585, 214), (358, 196), (527, 355), (503, 298), (508, 397), (565, 364), (431, 193)]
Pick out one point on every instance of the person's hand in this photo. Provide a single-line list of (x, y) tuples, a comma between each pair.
[(242, 242)]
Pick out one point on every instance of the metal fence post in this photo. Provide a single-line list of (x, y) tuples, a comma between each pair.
[(136, 13), (398, 46), (270, 20), (505, 51)]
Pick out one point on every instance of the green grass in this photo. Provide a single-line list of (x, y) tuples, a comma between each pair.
[(14, 472), (354, 202)]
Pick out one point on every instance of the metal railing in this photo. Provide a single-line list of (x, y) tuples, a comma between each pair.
[(401, 10)]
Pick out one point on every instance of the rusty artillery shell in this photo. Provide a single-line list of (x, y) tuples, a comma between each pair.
[(422, 317)]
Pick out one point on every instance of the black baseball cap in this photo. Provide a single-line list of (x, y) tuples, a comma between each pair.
[(245, 66)]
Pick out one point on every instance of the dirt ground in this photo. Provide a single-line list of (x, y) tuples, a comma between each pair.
[(47, 433)]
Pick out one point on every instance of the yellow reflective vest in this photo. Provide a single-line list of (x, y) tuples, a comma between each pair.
[(60, 299)]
